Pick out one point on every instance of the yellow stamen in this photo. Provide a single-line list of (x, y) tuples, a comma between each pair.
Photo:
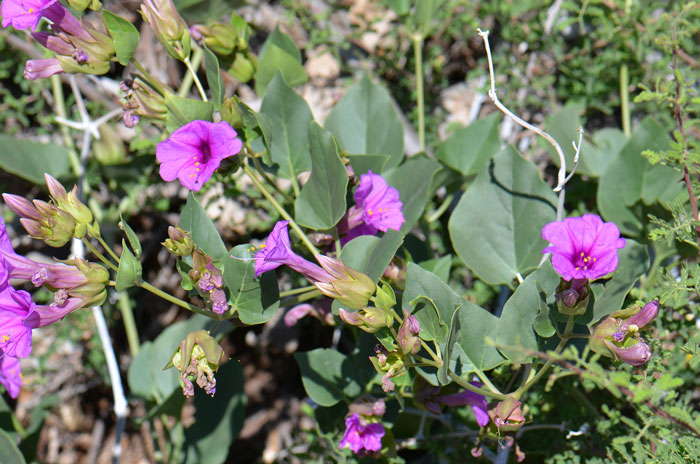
[(5, 338)]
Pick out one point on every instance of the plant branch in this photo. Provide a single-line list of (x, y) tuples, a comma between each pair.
[(197, 83)]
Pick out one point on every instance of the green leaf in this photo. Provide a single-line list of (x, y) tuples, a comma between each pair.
[(476, 325), (184, 110), (146, 376), (596, 152), (525, 309), (424, 13), (370, 254), (365, 121), (497, 224), (252, 126), (125, 36), (131, 236), (321, 203), (439, 266), (204, 11), (30, 160), (630, 178), (361, 163), (9, 453), (452, 334), (286, 127), (610, 295), (194, 219), (218, 420), (214, 80), (326, 375), (413, 180), (470, 148), (255, 301), (279, 54), (129, 272)]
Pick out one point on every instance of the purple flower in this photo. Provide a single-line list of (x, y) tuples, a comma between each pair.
[(40, 69), (475, 400), (377, 207), (15, 334), (277, 252), (583, 247), (362, 436), (23, 14), (635, 355), (10, 374), (193, 152)]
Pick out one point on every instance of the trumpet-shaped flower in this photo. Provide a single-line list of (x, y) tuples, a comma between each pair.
[(475, 400), (15, 334), (193, 152), (361, 436), (377, 207), (583, 247), (10, 374), (23, 14)]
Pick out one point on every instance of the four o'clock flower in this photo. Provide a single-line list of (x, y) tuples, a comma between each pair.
[(15, 335), (194, 151), (475, 400), (583, 247), (10, 374), (377, 207), (24, 14), (361, 436)]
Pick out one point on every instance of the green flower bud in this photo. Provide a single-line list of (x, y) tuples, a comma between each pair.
[(70, 203), (572, 297), (350, 287), (180, 243), (168, 26)]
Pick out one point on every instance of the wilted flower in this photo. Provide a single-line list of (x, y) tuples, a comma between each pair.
[(617, 335), (194, 151), (209, 281), (377, 207), (408, 338), (197, 358), (362, 436), (475, 400), (583, 247), (507, 413), (10, 374)]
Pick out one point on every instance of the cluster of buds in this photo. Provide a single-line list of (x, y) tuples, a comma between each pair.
[(79, 48), (197, 358), (373, 318), (351, 288), (617, 335), (573, 296), (388, 363), (142, 100), (229, 42), (179, 242), (54, 223), (168, 26)]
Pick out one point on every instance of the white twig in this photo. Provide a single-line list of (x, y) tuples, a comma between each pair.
[(89, 128)]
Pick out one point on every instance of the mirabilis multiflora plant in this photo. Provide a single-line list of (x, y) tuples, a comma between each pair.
[(431, 350)]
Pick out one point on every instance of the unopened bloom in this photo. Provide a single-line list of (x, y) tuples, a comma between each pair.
[(42, 221), (583, 247), (635, 355), (179, 242), (10, 374), (407, 336), (23, 14), (168, 26), (361, 436), (377, 207), (42, 68), (194, 151)]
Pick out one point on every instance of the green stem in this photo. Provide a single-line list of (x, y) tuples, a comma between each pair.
[(468, 386), (426, 361), (418, 55), (565, 338), (336, 240), (17, 425), (177, 301), (441, 209), (60, 108), (625, 100), (266, 193), (486, 380), (430, 352), (148, 78), (99, 255), (108, 249), (301, 298), (192, 71), (132, 334), (261, 171), (297, 291)]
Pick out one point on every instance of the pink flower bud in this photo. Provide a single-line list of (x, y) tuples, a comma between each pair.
[(40, 69)]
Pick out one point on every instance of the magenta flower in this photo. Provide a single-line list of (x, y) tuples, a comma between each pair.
[(10, 374), (583, 247), (193, 152), (15, 335), (635, 355), (277, 252), (475, 400), (377, 207), (361, 436), (23, 14)]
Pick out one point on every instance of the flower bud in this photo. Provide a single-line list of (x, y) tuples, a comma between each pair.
[(407, 336), (507, 414), (643, 317), (197, 358), (390, 364), (81, 5), (42, 221), (71, 204), (572, 297), (93, 292), (168, 26), (350, 287), (635, 355), (180, 243), (369, 319), (41, 68)]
